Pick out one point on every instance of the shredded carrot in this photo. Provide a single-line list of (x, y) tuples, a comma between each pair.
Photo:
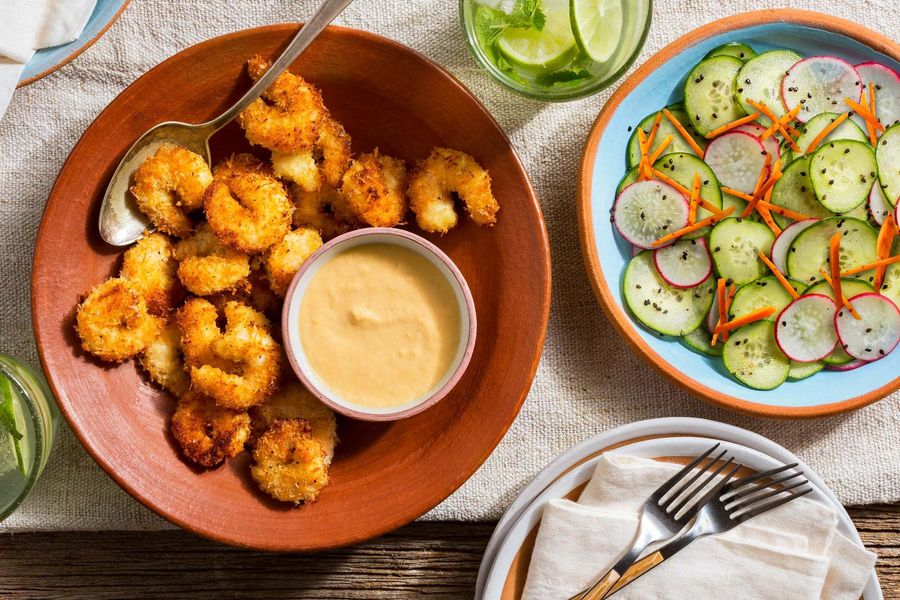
[(772, 180), (786, 130), (883, 248), (709, 206), (881, 262), (695, 197), (790, 116), (687, 137), (757, 315), (834, 259), (658, 152), (768, 220), (784, 212), (652, 136), (733, 125), (763, 174), (781, 278), (864, 112), (870, 127), (722, 309), (642, 142), (666, 179), (737, 193), (824, 133), (844, 299), (873, 134), (691, 228)]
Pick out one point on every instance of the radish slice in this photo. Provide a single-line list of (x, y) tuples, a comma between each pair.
[(684, 264), (820, 84), (783, 242), (647, 210), (850, 366), (635, 251), (887, 91), (878, 204), (805, 328), (876, 333), (770, 143), (737, 159), (712, 318)]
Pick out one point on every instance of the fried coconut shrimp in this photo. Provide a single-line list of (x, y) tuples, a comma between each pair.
[(287, 116), (374, 191), (207, 266), (248, 210), (113, 322), (207, 433), (163, 362), (324, 164), (445, 172), (289, 462), (285, 258), (151, 268), (293, 401), (238, 368), (170, 184), (253, 291), (316, 210)]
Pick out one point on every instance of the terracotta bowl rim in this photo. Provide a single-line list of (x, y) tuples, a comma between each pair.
[(423, 248)]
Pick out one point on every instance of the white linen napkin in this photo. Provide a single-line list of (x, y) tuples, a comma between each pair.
[(29, 25), (792, 552)]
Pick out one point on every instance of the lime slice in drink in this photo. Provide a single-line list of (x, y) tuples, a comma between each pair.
[(597, 25), (550, 49)]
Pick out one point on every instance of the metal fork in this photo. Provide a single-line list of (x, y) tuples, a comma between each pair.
[(662, 516), (725, 507)]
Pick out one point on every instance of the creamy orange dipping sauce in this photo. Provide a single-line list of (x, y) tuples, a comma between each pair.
[(380, 325)]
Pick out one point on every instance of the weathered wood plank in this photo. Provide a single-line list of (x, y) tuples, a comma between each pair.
[(431, 560)]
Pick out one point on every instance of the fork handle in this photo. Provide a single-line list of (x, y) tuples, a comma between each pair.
[(636, 570), (597, 589), (606, 584)]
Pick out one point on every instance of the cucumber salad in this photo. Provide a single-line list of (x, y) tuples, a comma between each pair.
[(762, 212)]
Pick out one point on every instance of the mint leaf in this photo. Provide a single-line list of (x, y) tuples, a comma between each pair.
[(488, 23), (528, 14), (8, 419)]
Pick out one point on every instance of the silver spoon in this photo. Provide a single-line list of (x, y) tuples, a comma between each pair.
[(121, 223)]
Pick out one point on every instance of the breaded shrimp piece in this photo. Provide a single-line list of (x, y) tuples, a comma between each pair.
[(170, 184), (151, 267), (163, 362), (241, 164), (207, 266), (238, 367), (248, 211), (444, 172), (289, 462), (324, 164), (315, 209), (373, 191), (113, 322), (207, 433), (285, 258), (293, 401), (253, 291), (287, 116)]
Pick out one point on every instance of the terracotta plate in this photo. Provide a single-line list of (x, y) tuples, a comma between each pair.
[(384, 475), (660, 82)]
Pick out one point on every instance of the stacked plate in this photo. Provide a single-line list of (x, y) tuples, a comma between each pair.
[(505, 563)]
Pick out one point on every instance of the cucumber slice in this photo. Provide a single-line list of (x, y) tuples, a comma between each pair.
[(783, 242), (739, 205), (766, 291), (878, 205), (658, 305), (736, 49), (665, 129), (684, 264), (842, 174), (735, 243), (760, 80), (681, 167), (809, 251), (801, 371), (709, 93), (888, 157), (848, 130), (700, 341), (647, 210), (630, 177), (887, 92), (737, 158), (849, 287), (804, 330), (753, 357), (890, 289), (819, 84), (794, 191), (875, 334)]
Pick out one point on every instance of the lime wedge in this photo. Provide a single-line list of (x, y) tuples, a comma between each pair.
[(597, 25), (550, 49)]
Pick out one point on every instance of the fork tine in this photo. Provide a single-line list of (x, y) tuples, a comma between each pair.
[(696, 490), (755, 512), (753, 497), (664, 488), (738, 483), (687, 485)]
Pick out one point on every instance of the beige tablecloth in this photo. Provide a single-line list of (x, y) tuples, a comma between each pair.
[(588, 380)]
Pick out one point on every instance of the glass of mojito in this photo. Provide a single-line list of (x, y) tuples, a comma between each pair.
[(28, 419), (555, 50)]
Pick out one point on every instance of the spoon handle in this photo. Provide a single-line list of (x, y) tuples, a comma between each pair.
[(310, 31)]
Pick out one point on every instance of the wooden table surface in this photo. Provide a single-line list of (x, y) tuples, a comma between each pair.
[(421, 560)]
